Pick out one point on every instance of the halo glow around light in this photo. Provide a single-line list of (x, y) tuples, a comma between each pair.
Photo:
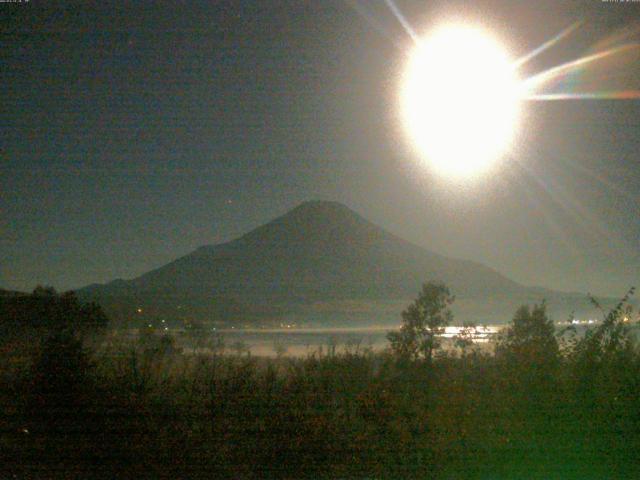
[(460, 100)]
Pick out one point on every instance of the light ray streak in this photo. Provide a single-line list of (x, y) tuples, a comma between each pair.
[(536, 81), (373, 22), (589, 223), (403, 21), (608, 95), (536, 203), (606, 183), (579, 214), (546, 45)]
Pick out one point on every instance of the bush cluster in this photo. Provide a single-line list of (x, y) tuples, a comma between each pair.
[(533, 409)]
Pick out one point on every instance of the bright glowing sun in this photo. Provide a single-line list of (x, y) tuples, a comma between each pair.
[(460, 100)]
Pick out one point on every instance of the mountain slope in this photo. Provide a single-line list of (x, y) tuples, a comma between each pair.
[(317, 252)]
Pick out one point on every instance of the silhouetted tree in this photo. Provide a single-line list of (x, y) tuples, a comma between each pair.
[(60, 362), (59, 370), (612, 335), (606, 350), (422, 322), (45, 308), (530, 338), (464, 340)]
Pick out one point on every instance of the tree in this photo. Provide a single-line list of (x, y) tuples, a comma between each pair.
[(464, 340), (45, 308), (422, 322), (528, 358), (612, 336), (530, 338), (611, 344)]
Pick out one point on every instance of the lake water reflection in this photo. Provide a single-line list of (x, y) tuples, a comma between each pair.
[(305, 341)]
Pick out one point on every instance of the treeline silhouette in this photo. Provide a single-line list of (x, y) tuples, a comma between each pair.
[(45, 308), (80, 402)]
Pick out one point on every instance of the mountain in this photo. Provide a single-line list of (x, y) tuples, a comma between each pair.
[(320, 262)]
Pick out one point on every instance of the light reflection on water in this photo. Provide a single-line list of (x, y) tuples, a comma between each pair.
[(294, 342), (306, 341)]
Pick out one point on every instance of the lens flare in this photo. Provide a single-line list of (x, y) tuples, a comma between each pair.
[(461, 98)]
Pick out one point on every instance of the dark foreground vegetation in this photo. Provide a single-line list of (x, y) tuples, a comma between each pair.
[(78, 403)]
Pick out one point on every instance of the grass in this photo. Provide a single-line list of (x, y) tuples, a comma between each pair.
[(133, 410)]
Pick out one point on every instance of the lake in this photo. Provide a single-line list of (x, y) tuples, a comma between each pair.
[(304, 341)]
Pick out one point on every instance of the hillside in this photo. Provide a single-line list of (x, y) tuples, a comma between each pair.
[(318, 257)]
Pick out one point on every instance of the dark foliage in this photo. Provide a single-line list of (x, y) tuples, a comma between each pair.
[(45, 308), (422, 322), (532, 411), (529, 339)]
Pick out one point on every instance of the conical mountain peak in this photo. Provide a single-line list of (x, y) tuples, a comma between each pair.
[(320, 207), (318, 251), (315, 226), (321, 211)]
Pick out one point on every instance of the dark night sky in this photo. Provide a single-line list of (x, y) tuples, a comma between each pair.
[(135, 133)]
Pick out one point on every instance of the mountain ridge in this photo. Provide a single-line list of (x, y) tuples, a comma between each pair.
[(319, 251)]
